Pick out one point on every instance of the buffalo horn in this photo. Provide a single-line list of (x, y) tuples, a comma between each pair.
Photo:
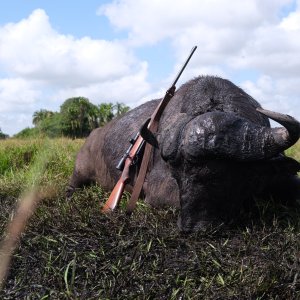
[(284, 137)]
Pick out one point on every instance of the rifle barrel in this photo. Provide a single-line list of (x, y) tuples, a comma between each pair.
[(185, 64)]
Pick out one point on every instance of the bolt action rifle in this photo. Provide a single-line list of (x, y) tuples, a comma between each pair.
[(133, 152)]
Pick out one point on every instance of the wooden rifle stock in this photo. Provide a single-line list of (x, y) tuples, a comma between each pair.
[(118, 190), (114, 197), (137, 144)]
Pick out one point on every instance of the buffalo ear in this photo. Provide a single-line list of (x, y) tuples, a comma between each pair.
[(147, 135)]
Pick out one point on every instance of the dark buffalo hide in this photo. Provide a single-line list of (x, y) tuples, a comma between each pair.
[(216, 151)]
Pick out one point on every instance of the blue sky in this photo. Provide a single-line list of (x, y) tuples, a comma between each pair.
[(78, 18), (64, 15), (130, 50)]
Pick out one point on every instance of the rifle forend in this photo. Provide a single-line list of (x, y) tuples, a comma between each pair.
[(121, 163)]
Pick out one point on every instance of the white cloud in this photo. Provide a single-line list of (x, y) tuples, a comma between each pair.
[(232, 37), (18, 94), (128, 89), (230, 34), (273, 50), (14, 122), (278, 95), (41, 66), (32, 49), (291, 22), (151, 21)]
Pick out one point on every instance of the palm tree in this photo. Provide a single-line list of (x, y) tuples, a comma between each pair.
[(40, 115), (93, 116), (120, 109), (79, 116), (105, 113)]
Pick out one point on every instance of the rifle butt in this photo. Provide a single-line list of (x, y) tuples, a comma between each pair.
[(114, 197)]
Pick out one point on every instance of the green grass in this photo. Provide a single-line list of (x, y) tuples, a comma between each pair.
[(71, 251), (21, 159), (294, 152)]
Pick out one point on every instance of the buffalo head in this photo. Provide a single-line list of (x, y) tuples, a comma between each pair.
[(221, 156)]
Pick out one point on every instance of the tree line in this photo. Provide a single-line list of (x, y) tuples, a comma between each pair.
[(76, 119), (3, 136)]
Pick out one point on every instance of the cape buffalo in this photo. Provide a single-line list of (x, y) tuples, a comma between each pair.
[(216, 151)]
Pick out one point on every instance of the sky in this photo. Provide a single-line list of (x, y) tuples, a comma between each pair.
[(129, 51)]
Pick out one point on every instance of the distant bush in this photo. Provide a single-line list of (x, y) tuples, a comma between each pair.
[(28, 133), (52, 126), (3, 136), (76, 119)]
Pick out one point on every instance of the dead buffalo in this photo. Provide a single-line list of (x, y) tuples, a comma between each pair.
[(216, 151)]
